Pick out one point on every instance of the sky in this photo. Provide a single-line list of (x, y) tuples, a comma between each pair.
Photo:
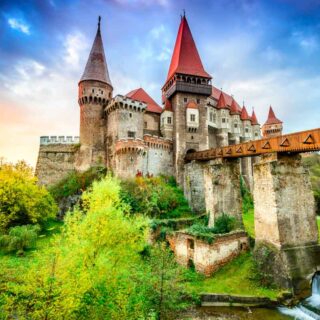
[(263, 52)]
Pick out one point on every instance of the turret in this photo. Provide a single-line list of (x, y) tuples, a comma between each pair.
[(256, 132), (273, 126), (187, 87), (166, 121), (246, 124), (95, 91)]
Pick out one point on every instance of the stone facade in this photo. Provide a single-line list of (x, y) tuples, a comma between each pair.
[(285, 222), (55, 159), (207, 258)]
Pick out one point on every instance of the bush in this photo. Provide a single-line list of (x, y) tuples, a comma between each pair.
[(76, 182), (157, 197), (22, 201), (20, 238), (247, 199)]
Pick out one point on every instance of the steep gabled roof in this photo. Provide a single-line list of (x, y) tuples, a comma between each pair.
[(272, 119), (244, 114), (140, 95), (185, 58), (215, 94), (222, 102), (96, 67), (254, 120), (234, 108)]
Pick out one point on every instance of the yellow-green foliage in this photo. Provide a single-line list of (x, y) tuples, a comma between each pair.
[(157, 197), (95, 269), (22, 201)]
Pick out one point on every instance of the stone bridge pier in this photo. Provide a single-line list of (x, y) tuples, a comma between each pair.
[(285, 222), (214, 187)]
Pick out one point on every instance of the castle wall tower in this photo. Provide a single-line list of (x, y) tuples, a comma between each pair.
[(95, 91), (187, 88), (273, 126)]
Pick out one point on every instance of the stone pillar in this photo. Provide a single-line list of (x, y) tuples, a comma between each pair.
[(285, 222), (222, 189), (194, 186)]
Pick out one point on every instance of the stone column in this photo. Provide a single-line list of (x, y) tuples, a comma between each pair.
[(285, 222), (194, 186), (222, 189)]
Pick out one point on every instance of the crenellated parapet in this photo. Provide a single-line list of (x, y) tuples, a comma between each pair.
[(125, 103), (156, 142), (130, 145), (47, 140)]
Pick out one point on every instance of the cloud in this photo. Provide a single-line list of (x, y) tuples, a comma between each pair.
[(162, 3), (19, 25), (308, 43), (75, 45)]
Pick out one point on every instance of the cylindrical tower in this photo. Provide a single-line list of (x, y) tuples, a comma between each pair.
[(95, 91)]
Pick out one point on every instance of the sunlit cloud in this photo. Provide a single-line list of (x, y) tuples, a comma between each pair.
[(75, 46), (19, 25)]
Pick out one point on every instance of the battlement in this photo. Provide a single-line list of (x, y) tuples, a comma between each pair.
[(46, 140), (157, 142), (122, 102), (130, 145)]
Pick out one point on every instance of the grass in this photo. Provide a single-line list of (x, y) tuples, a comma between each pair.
[(248, 221), (234, 278)]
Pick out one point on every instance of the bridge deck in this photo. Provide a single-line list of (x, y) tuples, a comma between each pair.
[(304, 141)]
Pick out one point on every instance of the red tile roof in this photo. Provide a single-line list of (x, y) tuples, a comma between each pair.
[(244, 114), (215, 94), (140, 95), (254, 120), (185, 58), (234, 108), (272, 119), (167, 106), (222, 102), (192, 105)]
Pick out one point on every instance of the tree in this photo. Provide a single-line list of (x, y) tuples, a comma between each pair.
[(22, 201)]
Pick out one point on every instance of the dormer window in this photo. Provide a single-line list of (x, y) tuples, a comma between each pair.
[(192, 117), (169, 120)]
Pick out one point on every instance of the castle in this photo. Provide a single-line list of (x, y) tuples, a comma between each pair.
[(132, 134)]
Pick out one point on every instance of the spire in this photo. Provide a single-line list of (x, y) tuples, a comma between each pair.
[(234, 107), (96, 67), (244, 114), (254, 120), (185, 58), (222, 102), (272, 119)]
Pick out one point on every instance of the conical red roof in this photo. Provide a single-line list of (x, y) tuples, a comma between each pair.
[(272, 119), (185, 58), (244, 114), (96, 67), (254, 120), (222, 102), (167, 106), (234, 108), (140, 95)]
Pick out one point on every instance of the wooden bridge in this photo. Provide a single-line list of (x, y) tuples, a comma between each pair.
[(298, 142)]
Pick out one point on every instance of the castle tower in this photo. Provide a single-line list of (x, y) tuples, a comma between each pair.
[(273, 126), (186, 88), (256, 132), (95, 91)]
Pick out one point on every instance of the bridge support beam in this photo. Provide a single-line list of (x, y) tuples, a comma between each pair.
[(285, 222), (214, 187)]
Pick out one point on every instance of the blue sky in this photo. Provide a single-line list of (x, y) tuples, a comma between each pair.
[(262, 52)]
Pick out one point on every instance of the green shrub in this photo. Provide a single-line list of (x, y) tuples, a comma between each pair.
[(157, 197), (76, 182), (20, 238), (22, 200), (247, 199)]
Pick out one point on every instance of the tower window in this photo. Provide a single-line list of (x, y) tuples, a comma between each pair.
[(131, 134), (145, 125), (236, 125), (192, 117), (198, 100), (247, 130), (130, 115), (211, 116), (223, 120), (169, 120), (92, 90), (185, 99)]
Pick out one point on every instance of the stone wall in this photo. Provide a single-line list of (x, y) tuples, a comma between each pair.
[(151, 123), (207, 258), (55, 161), (222, 189)]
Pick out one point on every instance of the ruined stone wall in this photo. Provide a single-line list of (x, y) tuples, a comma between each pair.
[(206, 257), (55, 161), (284, 204)]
